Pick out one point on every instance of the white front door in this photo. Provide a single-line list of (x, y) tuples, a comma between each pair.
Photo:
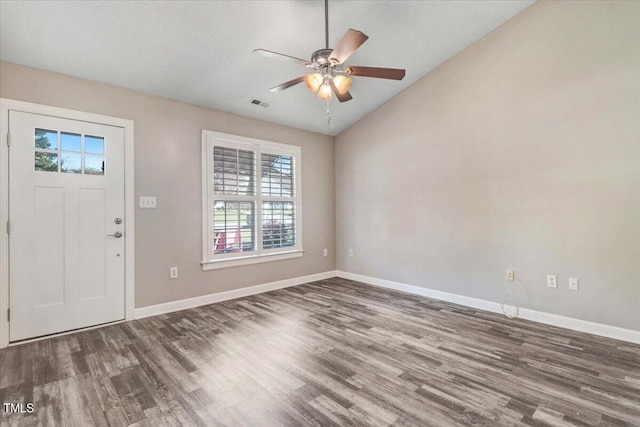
[(66, 212)]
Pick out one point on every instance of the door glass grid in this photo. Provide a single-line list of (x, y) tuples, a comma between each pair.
[(68, 152)]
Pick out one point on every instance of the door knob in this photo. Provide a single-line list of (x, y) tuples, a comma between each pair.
[(117, 235)]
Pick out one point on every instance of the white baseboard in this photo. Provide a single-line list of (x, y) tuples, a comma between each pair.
[(600, 329), (608, 331), (168, 307)]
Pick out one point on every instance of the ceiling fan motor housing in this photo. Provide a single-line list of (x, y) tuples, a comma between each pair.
[(320, 58)]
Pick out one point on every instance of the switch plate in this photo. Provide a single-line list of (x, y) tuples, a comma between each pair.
[(552, 281), (573, 283), (350, 253), (147, 202), (173, 273), (325, 252), (511, 275)]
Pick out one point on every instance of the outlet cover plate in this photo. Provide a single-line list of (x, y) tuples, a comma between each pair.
[(573, 283), (511, 276)]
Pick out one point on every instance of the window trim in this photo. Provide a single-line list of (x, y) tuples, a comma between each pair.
[(211, 261)]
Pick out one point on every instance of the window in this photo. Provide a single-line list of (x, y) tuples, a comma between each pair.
[(68, 152), (251, 201)]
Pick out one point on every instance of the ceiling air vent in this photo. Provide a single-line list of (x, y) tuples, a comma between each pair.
[(259, 103)]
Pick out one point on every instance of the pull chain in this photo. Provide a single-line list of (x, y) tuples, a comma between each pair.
[(328, 115)]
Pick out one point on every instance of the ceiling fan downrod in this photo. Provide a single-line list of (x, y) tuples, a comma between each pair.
[(326, 24)]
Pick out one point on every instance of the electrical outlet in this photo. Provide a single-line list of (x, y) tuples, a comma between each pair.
[(147, 202), (173, 273), (573, 283), (350, 253), (511, 276), (552, 281), (325, 252)]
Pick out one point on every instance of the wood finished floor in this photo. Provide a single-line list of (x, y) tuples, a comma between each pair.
[(333, 352)]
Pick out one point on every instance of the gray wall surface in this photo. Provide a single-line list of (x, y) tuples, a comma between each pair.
[(167, 165), (521, 152)]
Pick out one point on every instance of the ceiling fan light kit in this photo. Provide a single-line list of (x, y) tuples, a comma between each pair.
[(313, 81), (322, 85), (330, 76), (342, 84), (324, 92)]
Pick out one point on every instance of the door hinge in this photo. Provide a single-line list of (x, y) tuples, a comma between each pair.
[(8, 314), (8, 138), (8, 227)]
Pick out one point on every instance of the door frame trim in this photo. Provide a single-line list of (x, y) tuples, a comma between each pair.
[(129, 199)]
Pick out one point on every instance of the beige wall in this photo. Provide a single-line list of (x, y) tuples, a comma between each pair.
[(167, 165), (521, 152)]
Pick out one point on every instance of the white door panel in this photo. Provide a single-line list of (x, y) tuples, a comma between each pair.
[(66, 188), (92, 244)]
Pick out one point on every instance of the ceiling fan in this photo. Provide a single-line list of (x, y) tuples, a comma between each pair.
[(331, 73)]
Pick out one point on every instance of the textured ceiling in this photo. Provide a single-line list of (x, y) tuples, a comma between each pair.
[(200, 52)]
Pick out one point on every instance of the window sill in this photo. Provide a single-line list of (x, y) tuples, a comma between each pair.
[(253, 259)]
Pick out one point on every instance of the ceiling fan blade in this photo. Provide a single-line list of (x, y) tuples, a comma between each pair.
[(341, 97), (287, 85), (351, 41), (380, 73), (277, 55)]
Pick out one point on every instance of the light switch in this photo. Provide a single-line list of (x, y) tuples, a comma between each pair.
[(147, 202)]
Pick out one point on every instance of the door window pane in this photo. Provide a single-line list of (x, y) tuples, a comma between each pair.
[(70, 163), (94, 165), (54, 152), (47, 139), (70, 141), (47, 162), (93, 144)]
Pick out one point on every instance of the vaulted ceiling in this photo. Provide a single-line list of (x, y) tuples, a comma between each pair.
[(200, 52)]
